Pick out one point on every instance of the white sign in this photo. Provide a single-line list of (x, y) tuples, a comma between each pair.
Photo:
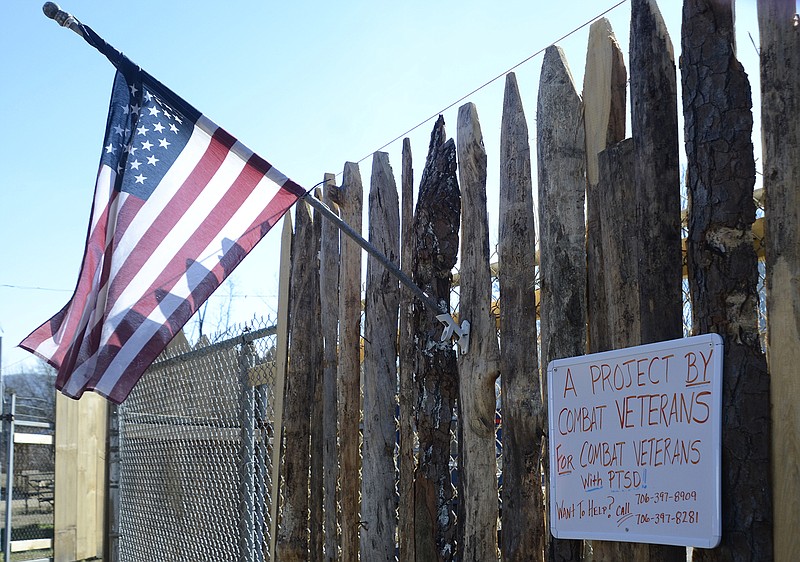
[(635, 443)]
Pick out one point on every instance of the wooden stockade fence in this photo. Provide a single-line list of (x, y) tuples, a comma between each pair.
[(389, 435), (383, 483)]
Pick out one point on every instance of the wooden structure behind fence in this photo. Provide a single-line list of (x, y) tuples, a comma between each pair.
[(610, 278)]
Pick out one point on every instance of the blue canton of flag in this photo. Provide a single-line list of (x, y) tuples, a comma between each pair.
[(144, 138)]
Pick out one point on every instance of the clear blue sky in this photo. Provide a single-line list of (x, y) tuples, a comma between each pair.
[(307, 85)]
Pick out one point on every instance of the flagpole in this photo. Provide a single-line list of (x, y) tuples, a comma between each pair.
[(65, 19)]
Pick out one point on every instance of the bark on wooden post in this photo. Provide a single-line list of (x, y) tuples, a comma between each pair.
[(615, 187), (329, 300), (654, 123), (436, 225), (293, 534), (604, 87), (405, 509), (523, 529), (780, 98), (349, 199), (317, 407), (723, 271), (562, 230), (479, 368), (616, 190), (379, 499)]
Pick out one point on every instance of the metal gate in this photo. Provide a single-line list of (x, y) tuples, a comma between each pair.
[(28, 481), (195, 452)]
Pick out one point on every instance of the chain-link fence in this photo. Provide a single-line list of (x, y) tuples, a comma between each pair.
[(195, 453)]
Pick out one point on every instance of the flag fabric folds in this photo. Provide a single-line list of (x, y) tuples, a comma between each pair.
[(178, 203)]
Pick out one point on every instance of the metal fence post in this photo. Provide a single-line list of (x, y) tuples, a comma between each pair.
[(248, 552), (261, 468), (9, 423), (112, 486)]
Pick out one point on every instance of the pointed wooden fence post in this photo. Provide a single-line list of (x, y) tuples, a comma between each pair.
[(604, 87), (562, 230), (723, 270), (654, 123), (293, 535), (349, 199), (378, 496), (281, 351), (405, 509), (478, 369), (329, 313), (436, 225), (780, 97), (523, 529), (317, 344)]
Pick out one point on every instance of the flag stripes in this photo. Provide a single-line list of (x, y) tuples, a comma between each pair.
[(178, 204)]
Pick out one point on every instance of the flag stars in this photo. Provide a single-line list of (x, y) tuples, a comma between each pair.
[(147, 145), (134, 89), (135, 164), (111, 149), (158, 127), (164, 143), (152, 160), (140, 179), (148, 97), (118, 130), (135, 109), (173, 128), (143, 130), (154, 111)]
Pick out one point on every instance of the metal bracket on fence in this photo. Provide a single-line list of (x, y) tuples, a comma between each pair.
[(451, 327)]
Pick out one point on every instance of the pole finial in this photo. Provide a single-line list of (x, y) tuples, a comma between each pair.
[(62, 18)]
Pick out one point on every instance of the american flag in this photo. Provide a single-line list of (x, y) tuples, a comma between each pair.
[(178, 204)]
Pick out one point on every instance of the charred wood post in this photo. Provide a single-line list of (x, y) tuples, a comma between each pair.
[(436, 225), (723, 272)]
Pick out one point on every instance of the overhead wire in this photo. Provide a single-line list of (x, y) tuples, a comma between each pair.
[(492, 80)]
